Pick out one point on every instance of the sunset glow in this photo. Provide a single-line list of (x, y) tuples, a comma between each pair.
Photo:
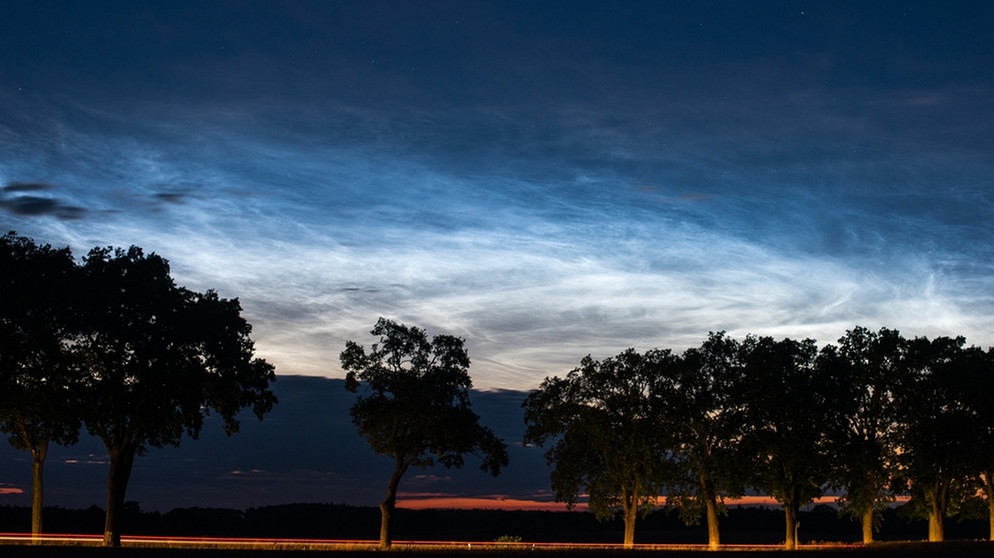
[(482, 503)]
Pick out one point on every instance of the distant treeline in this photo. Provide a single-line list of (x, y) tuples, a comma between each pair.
[(743, 525)]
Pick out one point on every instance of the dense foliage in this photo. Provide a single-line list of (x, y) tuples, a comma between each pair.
[(115, 344), (609, 443), (39, 400), (415, 408), (872, 418)]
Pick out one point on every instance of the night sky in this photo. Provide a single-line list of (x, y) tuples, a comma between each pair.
[(545, 179)]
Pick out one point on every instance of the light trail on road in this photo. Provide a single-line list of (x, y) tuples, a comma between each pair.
[(350, 544)]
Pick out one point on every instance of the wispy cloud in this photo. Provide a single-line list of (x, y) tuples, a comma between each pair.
[(540, 232)]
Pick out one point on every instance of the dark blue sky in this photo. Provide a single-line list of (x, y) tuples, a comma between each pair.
[(544, 179)]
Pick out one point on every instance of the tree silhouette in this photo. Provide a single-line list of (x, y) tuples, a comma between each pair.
[(708, 417), (38, 403), (787, 414), (936, 429), (416, 410), (159, 358), (608, 440), (981, 373), (977, 367), (864, 448)]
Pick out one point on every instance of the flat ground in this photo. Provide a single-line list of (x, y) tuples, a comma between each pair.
[(889, 550)]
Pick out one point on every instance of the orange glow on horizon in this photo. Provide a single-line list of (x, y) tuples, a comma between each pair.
[(427, 502), (482, 503)]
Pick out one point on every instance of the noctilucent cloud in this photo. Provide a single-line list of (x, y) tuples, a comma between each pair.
[(545, 179)]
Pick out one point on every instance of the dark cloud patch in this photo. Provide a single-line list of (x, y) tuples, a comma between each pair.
[(36, 206), (169, 194), (25, 204), (170, 197)]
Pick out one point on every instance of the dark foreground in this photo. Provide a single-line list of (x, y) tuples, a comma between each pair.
[(741, 526), (968, 549)]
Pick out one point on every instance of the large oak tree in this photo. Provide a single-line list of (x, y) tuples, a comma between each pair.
[(977, 367), (708, 417), (415, 408), (788, 414), (159, 358), (937, 429), (867, 366), (38, 405), (607, 439)]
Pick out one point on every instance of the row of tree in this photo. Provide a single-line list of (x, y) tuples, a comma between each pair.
[(871, 418), (112, 344)]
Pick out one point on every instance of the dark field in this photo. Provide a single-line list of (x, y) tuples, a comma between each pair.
[(895, 550), (742, 526), (537, 531)]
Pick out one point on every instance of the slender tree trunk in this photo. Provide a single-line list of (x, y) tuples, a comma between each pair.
[(38, 486), (121, 461), (990, 511), (868, 525), (988, 479), (389, 505), (935, 524), (935, 527), (630, 516), (990, 503), (790, 538), (937, 512), (386, 517), (629, 508), (711, 510)]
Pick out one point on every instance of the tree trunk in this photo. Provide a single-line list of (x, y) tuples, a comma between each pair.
[(630, 516), (711, 510), (988, 479), (121, 461), (990, 512), (38, 486), (629, 509), (790, 538), (935, 527), (868, 525), (990, 506), (386, 516), (937, 512), (388, 505)]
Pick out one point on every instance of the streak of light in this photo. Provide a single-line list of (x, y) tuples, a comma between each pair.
[(348, 544)]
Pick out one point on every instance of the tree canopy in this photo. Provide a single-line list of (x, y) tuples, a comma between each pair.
[(864, 447), (115, 344), (789, 416), (708, 414), (156, 359), (607, 439), (936, 428), (38, 390), (415, 408)]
